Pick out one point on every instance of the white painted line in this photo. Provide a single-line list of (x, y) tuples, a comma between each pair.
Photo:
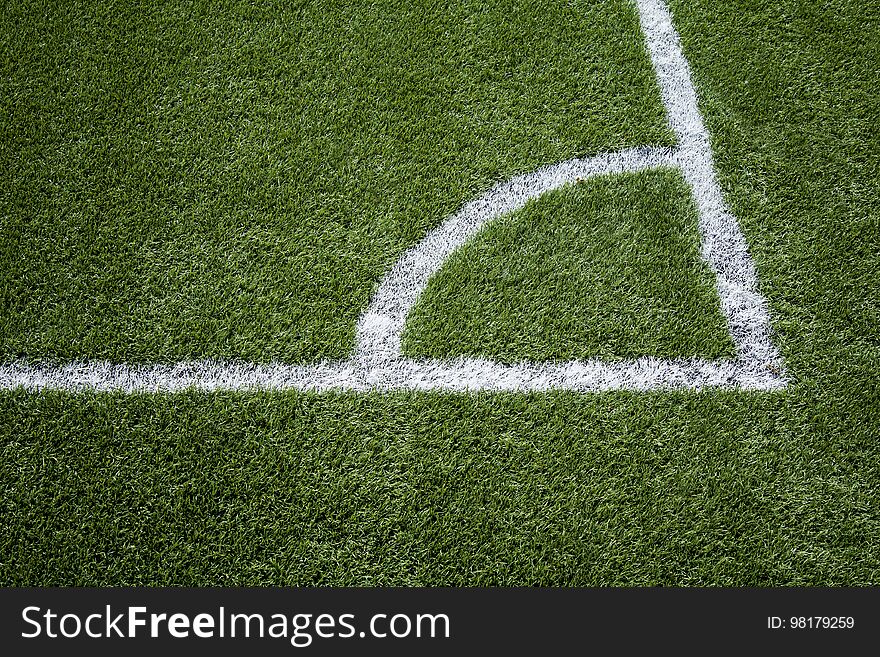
[(379, 330), (459, 375), (723, 244), (377, 363)]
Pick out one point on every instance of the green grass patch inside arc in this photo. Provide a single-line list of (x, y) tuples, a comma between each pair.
[(608, 267)]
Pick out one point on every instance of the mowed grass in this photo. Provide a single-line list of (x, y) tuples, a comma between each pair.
[(606, 268), (553, 489), (715, 488), (231, 179)]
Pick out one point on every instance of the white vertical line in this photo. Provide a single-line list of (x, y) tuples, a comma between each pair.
[(723, 245)]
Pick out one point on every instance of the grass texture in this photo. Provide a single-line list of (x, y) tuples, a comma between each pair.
[(190, 179), (187, 180), (606, 268)]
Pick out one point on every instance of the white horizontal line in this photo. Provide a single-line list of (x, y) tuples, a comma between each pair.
[(463, 374)]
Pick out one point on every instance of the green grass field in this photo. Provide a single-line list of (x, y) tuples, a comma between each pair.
[(187, 180)]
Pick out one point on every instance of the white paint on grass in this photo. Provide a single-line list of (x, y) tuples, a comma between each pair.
[(379, 330), (461, 374), (378, 363)]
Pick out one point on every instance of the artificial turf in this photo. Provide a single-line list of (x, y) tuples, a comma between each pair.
[(710, 488)]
